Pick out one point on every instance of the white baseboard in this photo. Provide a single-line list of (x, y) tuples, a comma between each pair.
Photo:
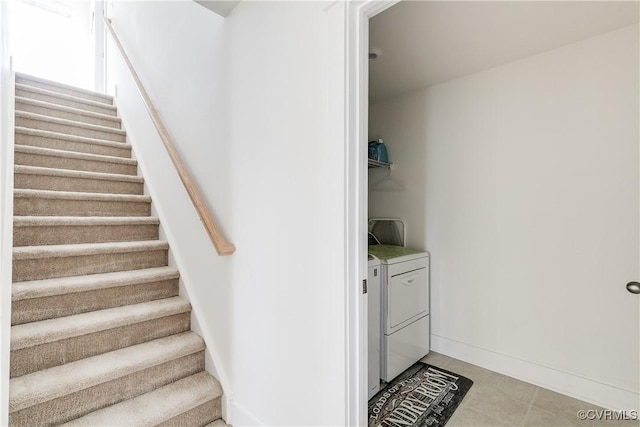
[(237, 416), (597, 393)]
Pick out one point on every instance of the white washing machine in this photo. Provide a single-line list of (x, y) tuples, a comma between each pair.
[(374, 308), (405, 318)]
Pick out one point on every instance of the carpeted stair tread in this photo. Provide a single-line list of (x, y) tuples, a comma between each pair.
[(48, 139), (49, 261), (74, 180), (50, 109), (84, 249), (61, 230), (158, 406), (52, 221), (71, 203), (49, 298), (73, 155), (55, 158), (56, 120), (70, 173), (71, 127), (73, 195), (57, 87), (33, 92), (26, 179), (69, 285), (52, 383), (47, 331)]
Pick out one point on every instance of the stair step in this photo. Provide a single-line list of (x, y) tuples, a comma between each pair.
[(69, 113), (60, 159), (62, 88), (50, 298), (42, 178), (63, 393), (70, 127), (53, 342), (66, 203), (60, 141), (168, 405), (45, 262), (33, 92), (65, 230)]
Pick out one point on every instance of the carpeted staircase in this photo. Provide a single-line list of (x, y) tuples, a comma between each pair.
[(99, 333)]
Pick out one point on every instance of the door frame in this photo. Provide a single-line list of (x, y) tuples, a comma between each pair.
[(100, 46), (348, 109), (348, 44), (7, 118)]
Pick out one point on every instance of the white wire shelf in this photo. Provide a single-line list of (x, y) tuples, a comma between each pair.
[(376, 164)]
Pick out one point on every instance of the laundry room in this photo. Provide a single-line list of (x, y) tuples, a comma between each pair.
[(504, 169)]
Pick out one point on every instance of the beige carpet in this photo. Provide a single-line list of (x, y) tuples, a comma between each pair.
[(100, 335)]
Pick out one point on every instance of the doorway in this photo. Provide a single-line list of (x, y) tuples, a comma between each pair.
[(568, 216), (58, 40)]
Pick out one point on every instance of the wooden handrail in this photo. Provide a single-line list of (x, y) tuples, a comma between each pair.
[(223, 247)]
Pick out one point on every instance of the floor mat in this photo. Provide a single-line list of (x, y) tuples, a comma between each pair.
[(423, 395)]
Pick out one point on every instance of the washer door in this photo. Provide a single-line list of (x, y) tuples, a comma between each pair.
[(407, 294)]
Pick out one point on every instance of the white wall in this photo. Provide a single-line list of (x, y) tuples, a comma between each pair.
[(191, 250), (6, 208), (522, 181), (288, 195), (246, 104)]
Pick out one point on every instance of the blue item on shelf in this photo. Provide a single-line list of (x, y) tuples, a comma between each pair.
[(382, 155), (373, 150)]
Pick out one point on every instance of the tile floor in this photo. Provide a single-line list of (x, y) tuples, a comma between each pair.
[(497, 400)]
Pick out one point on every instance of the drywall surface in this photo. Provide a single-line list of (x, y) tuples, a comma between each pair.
[(6, 208), (246, 104), (288, 208), (522, 182), (204, 275)]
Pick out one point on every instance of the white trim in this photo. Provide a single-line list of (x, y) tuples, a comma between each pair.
[(238, 416), (100, 39), (7, 118), (336, 115), (348, 114), (6, 241), (581, 388)]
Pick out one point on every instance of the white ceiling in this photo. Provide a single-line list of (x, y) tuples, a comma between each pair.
[(429, 42), (221, 7)]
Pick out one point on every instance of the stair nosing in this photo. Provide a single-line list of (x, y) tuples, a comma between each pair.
[(25, 76), (34, 89), (54, 152), (51, 221), (67, 285), (135, 417), (47, 331), (74, 138), (86, 249), (70, 173), (67, 109), (66, 122), (76, 195), (32, 389)]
